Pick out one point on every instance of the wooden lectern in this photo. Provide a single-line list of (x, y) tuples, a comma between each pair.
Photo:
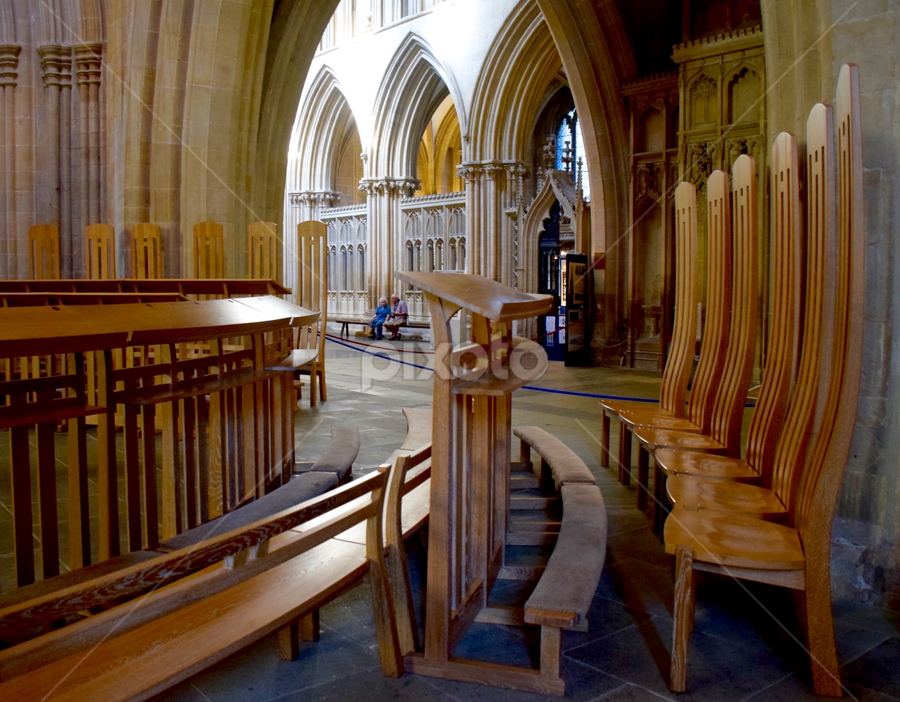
[(470, 464)]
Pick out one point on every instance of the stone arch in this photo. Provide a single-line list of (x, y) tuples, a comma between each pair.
[(595, 53), (55, 22), (7, 23), (414, 86), (521, 64), (324, 123), (88, 24)]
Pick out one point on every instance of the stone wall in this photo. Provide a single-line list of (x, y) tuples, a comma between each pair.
[(804, 52)]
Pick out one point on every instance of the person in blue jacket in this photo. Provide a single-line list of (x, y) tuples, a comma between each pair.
[(381, 314)]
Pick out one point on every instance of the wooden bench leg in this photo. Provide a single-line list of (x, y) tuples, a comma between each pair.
[(304, 629), (604, 442), (345, 329), (643, 470), (525, 455), (546, 477), (323, 393), (683, 618), (551, 658), (289, 642), (624, 454), (309, 626)]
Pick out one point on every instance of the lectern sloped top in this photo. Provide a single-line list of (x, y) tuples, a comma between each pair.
[(481, 295)]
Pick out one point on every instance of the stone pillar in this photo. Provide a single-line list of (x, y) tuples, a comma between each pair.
[(88, 60), (512, 209), (475, 235), (383, 197), (9, 64), (56, 66)]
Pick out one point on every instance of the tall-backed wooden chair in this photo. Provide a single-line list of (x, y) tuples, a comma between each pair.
[(263, 251), (734, 380), (776, 429), (209, 250), (146, 252), (715, 335), (797, 556), (99, 252), (43, 252), (312, 294), (680, 362)]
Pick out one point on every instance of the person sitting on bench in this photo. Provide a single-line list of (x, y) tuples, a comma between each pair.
[(381, 314), (399, 315)]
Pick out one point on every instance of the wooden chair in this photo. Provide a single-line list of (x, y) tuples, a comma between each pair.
[(681, 353), (688, 482), (99, 252), (43, 252), (312, 294), (209, 250), (146, 252), (734, 380), (715, 335), (263, 251), (797, 555)]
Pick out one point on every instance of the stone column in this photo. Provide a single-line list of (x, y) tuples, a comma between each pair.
[(88, 60), (383, 197), (513, 208), (56, 65), (476, 239), (9, 64)]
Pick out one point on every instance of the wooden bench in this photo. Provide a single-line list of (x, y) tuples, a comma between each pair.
[(346, 320), (176, 613), (338, 458), (560, 465), (563, 594)]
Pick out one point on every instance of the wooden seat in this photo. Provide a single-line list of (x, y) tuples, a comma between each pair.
[(768, 447), (797, 555), (43, 252), (312, 293), (99, 252), (146, 252), (263, 251), (734, 379), (715, 335), (681, 353), (209, 250)]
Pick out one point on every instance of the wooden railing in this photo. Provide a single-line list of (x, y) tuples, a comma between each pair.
[(223, 410)]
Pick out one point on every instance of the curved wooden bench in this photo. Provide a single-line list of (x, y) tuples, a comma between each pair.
[(559, 463), (339, 456), (563, 594)]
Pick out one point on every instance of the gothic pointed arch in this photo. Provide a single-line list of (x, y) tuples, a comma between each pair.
[(415, 84), (7, 23), (520, 66), (595, 53), (325, 122)]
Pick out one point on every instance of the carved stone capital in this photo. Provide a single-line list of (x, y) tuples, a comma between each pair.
[(56, 64), (492, 170), (88, 58), (295, 199), (9, 64), (469, 171)]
